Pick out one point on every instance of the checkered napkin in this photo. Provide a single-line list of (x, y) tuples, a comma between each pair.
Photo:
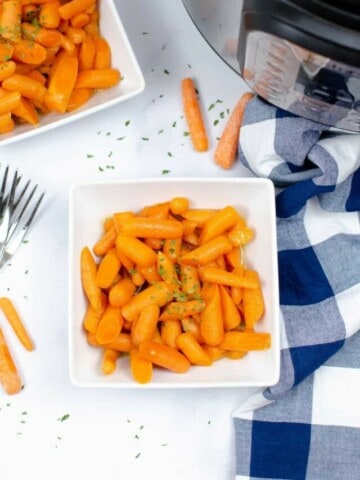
[(308, 425)]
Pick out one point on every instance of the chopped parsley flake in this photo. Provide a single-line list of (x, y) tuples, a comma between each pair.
[(166, 72), (160, 131), (127, 123), (145, 139), (216, 122), (165, 172), (169, 154), (89, 155), (137, 455), (64, 417), (120, 138)]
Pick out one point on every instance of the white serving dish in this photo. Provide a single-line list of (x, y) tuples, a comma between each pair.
[(90, 204), (123, 58)]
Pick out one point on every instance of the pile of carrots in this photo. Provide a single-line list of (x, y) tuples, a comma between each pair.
[(52, 58), (9, 374), (168, 286)]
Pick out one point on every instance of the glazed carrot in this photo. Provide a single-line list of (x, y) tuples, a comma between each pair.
[(190, 283), (9, 101), (170, 330), (191, 325), (141, 369), (149, 227), (16, 323), (99, 79), (230, 314), (207, 252), (7, 69), (211, 320), (41, 35), (49, 16), (28, 51), (75, 34), (235, 257), (121, 343), (69, 46), (80, 20), (105, 243), (87, 54), (135, 249), (194, 116), (189, 346), (129, 266), (38, 76), (199, 215), (223, 277), (253, 300), (192, 239), (178, 310), (164, 356), (108, 269), (61, 84), (156, 294), (240, 235), (9, 375), (10, 20), (158, 210), (88, 270), (150, 274), (221, 221), (246, 341), (236, 295), (167, 272), (92, 317), (226, 150), (179, 205), (7, 123), (26, 86), (172, 248), (6, 50), (78, 97), (121, 293), (108, 223), (214, 352), (102, 54), (188, 227), (120, 218), (144, 326), (235, 354), (110, 325), (108, 363), (74, 7)]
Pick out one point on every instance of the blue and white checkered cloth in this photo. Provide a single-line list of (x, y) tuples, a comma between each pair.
[(308, 425)]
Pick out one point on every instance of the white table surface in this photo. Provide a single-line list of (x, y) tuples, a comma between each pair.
[(110, 433)]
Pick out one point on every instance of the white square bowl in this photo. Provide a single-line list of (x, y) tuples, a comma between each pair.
[(91, 203), (123, 58)]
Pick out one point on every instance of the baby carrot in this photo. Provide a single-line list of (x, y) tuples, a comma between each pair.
[(99, 79), (172, 248), (120, 218), (88, 270), (121, 343), (141, 369), (214, 352), (199, 215), (179, 205), (167, 271), (80, 20), (190, 347), (49, 16), (78, 97), (9, 102), (223, 277), (105, 243), (7, 123), (194, 116), (227, 147), (10, 20), (92, 317), (150, 274), (207, 252), (170, 330), (211, 320), (7, 69), (149, 227), (29, 52), (164, 356), (231, 315), (144, 326), (44, 36), (246, 341), (253, 300), (156, 294), (221, 221), (190, 283), (108, 364), (178, 310), (110, 325), (26, 86), (136, 250), (108, 269), (121, 293), (102, 54), (9, 375), (16, 323), (61, 85), (72, 8)]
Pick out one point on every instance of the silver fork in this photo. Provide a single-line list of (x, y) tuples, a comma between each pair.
[(17, 212)]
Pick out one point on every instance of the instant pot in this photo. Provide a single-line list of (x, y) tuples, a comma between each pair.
[(300, 55)]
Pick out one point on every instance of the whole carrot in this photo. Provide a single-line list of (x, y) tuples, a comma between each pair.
[(194, 116), (226, 150), (16, 323), (164, 356), (9, 375)]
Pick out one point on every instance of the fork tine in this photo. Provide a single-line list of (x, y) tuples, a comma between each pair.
[(35, 209), (22, 193)]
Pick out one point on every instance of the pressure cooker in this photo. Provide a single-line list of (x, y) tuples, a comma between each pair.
[(300, 55)]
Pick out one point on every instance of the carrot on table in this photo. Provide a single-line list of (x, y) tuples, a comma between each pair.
[(164, 356), (9, 375), (227, 147), (194, 116), (16, 323)]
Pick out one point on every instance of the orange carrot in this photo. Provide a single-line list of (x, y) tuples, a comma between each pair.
[(102, 54), (108, 269), (105, 78), (7, 123), (170, 330), (7, 69), (136, 250), (199, 215), (88, 270), (44, 36), (172, 248), (28, 51), (156, 294), (92, 317), (194, 116), (87, 54), (150, 274), (108, 364), (78, 97), (214, 352), (178, 310), (74, 7), (10, 20), (245, 341), (253, 300), (49, 16), (121, 343), (62, 83), (110, 325), (167, 272), (164, 356), (80, 20), (221, 221), (189, 346), (26, 86), (16, 323), (9, 102), (144, 326), (191, 325), (226, 150), (105, 243), (223, 277), (211, 323), (141, 369), (207, 252), (231, 315), (190, 282), (179, 205), (121, 293), (9, 375), (153, 228)]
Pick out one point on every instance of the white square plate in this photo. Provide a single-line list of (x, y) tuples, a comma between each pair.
[(90, 204), (123, 59)]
